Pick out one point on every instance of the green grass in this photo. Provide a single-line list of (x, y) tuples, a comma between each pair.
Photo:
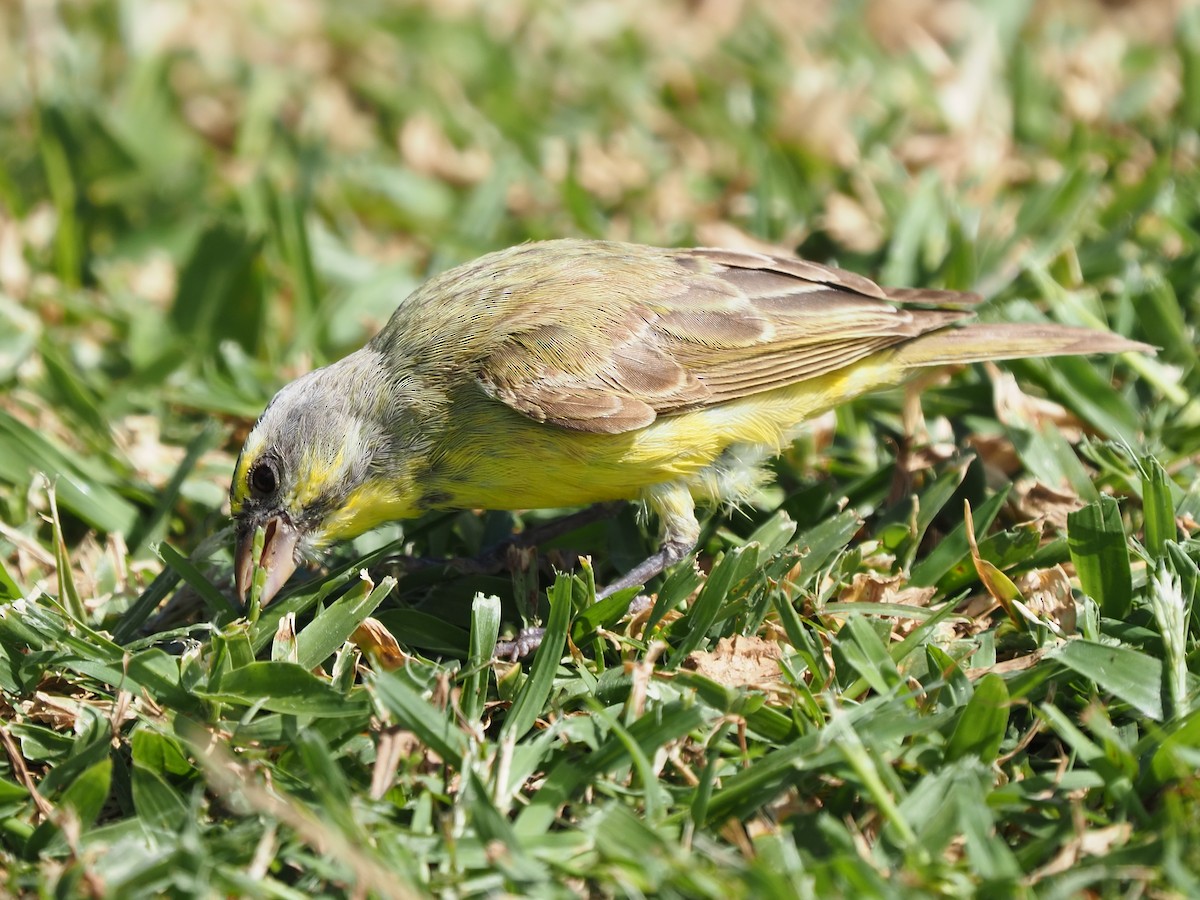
[(199, 201)]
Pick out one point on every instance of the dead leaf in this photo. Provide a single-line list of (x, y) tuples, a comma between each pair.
[(1008, 666), (739, 661), (867, 587), (1047, 594), (996, 583), (379, 644), (395, 745), (427, 148), (978, 611), (997, 452), (850, 225), (1016, 408), (1046, 601), (1037, 502), (1090, 843), (931, 455)]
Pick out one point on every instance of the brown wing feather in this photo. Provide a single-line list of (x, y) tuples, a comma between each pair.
[(783, 367), (708, 326), (611, 382)]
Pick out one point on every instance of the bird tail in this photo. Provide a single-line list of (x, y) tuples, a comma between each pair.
[(980, 341)]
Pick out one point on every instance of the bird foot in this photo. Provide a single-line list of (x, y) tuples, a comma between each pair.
[(670, 552), (526, 641)]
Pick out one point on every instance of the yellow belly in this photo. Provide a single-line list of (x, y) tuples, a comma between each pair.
[(501, 460)]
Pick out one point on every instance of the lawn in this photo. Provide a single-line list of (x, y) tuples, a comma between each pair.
[(950, 651)]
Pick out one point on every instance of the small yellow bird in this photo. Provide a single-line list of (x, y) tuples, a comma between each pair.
[(572, 372)]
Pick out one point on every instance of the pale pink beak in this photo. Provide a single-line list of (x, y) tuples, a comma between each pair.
[(278, 558)]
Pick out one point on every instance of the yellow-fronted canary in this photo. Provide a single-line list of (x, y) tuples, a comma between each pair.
[(570, 372)]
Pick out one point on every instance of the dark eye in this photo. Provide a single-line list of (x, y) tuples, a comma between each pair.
[(263, 478)]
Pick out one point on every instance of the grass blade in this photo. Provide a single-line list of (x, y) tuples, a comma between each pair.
[(534, 693), (1100, 553)]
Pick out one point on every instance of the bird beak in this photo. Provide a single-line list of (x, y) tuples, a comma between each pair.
[(278, 558)]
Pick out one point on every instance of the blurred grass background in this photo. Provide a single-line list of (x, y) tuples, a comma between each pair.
[(199, 201)]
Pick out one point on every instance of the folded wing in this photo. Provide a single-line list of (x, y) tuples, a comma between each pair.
[(717, 325)]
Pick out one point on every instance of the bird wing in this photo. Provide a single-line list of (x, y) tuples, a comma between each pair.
[(710, 327)]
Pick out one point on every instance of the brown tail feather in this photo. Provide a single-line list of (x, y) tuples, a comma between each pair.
[(983, 341)]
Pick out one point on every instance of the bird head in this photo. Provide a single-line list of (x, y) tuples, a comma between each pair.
[(317, 467)]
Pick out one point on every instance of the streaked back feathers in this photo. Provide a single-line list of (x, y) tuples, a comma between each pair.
[(605, 337)]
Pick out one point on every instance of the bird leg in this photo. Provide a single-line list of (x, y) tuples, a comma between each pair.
[(671, 552), (679, 532)]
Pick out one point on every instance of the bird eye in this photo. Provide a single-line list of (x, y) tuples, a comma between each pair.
[(263, 479)]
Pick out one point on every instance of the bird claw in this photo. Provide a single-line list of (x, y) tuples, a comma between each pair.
[(671, 552), (526, 641)]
